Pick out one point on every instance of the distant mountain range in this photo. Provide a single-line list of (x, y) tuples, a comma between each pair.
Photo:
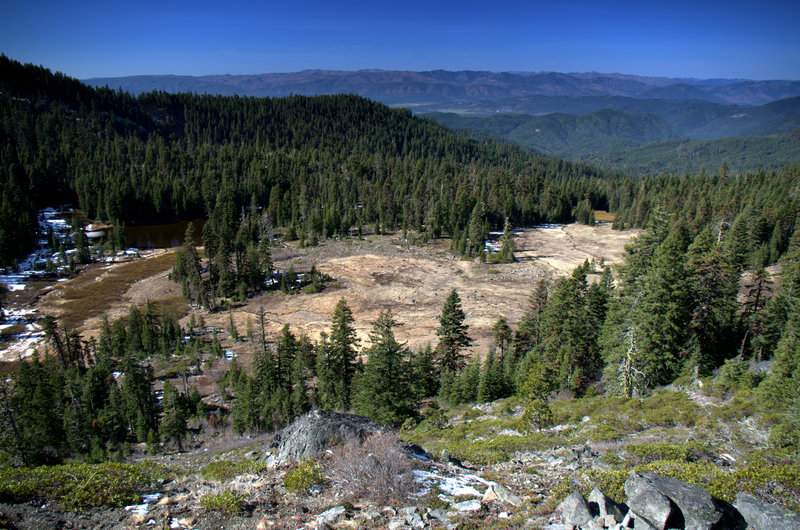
[(440, 86), (587, 116)]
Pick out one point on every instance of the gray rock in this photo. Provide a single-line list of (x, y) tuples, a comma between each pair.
[(407, 510), (696, 510), (314, 432), (575, 510), (652, 508), (396, 524), (414, 520), (468, 506), (370, 514), (501, 493), (762, 516), (600, 504), (332, 515), (439, 515)]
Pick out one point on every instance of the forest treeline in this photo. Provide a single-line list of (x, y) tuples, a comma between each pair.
[(694, 294), (671, 313), (318, 166)]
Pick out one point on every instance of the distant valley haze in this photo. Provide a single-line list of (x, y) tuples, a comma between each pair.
[(640, 124), (641, 73)]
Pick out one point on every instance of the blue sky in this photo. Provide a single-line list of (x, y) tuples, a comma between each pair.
[(754, 40)]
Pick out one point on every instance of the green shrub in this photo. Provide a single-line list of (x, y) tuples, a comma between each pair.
[(79, 486), (740, 406), (223, 470), (229, 501), (690, 451), (433, 500), (773, 482), (305, 476)]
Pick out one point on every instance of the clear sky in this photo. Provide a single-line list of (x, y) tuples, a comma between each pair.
[(733, 38)]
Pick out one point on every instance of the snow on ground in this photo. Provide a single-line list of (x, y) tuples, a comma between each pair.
[(33, 265), (144, 508), (451, 485)]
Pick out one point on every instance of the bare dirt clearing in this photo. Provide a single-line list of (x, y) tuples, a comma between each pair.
[(373, 275), (379, 274)]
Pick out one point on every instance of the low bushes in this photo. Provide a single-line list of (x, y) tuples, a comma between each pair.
[(78, 486), (223, 470), (377, 470), (228, 501), (305, 476), (773, 482)]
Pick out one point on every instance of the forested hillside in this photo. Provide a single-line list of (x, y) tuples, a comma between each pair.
[(321, 164), (643, 137), (694, 294), (740, 154), (318, 165)]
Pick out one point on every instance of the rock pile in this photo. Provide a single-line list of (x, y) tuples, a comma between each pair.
[(315, 432), (656, 502)]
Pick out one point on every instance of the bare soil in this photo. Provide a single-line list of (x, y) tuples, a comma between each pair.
[(379, 274), (373, 275)]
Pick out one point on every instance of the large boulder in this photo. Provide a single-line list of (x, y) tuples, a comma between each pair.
[(575, 510), (318, 430), (762, 516), (601, 505), (693, 507)]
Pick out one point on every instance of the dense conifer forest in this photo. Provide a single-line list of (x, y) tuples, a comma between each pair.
[(323, 167)]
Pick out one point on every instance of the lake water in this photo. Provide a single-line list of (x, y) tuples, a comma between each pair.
[(162, 236)]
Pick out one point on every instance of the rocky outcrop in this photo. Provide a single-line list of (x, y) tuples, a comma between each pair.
[(762, 516), (600, 505), (575, 510), (666, 502), (316, 431)]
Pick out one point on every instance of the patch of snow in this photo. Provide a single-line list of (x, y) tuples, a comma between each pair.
[(454, 486), (509, 432)]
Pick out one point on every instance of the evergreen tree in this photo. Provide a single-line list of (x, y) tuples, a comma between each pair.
[(425, 379), (569, 334), (232, 326), (384, 391), (477, 230), (465, 385), (662, 315), (536, 392), (777, 394), (452, 334), (325, 368), (529, 333), (186, 270), (173, 424), (712, 297), (737, 244), (502, 335), (342, 354), (507, 250), (491, 385)]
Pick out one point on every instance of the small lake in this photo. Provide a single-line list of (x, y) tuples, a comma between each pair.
[(167, 235), (162, 236)]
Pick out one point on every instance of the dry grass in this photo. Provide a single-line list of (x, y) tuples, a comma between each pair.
[(377, 470), (98, 288), (601, 216)]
